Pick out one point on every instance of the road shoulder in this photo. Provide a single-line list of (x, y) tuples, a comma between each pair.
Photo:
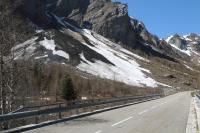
[(192, 124)]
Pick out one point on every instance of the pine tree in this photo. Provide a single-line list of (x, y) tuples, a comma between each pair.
[(68, 89)]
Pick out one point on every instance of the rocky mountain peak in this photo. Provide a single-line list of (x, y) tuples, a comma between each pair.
[(193, 37), (178, 41), (186, 45), (105, 17)]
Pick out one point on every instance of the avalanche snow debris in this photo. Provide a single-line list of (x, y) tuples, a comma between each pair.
[(50, 45), (126, 69), (128, 74), (27, 47), (25, 44)]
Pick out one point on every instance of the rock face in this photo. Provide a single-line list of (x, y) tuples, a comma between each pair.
[(187, 42), (69, 32), (111, 20), (187, 46), (105, 17), (179, 42)]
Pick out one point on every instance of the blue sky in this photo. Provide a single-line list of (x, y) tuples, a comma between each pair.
[(167, 17)]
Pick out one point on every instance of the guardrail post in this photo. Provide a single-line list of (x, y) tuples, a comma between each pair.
[(60, 115), (36, 119)]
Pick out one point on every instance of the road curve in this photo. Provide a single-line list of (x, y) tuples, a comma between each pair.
[(165, 115)]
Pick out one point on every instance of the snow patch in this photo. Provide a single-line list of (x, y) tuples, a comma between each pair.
[(188, 67), (25, 44), (188, 52), (50, 45), (165, 85), (27, 47), (169, 38), (41, 57), (186, 38), (39, 30), (127, 72)]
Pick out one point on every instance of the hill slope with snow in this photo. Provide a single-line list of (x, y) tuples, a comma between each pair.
[(99, 38), (114, 62)]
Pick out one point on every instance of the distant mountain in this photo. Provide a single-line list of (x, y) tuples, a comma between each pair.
[(188, 45)]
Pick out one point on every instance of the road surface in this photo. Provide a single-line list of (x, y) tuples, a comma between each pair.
[(165, 115)]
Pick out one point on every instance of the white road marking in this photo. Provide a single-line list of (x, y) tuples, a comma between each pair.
[(99, 131), (121, 121), (144, 111), (153, 107), (162, 103)]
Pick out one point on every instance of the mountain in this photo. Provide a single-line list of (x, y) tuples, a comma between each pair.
[(98, 37), (188, 45), (87, 51), (107, 18)]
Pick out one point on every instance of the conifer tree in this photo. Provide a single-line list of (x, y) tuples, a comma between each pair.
[(68, 89)]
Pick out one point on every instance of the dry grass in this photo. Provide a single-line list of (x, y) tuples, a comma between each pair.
[(45, 86)]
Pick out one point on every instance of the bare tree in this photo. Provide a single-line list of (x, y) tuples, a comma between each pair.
[(7, 75)]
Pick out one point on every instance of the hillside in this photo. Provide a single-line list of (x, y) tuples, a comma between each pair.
[(106, 52)]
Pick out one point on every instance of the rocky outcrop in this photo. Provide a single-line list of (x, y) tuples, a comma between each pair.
[(188, 46), (187, 42), (103, 16), (64, 38), (107, 18), (111, 20), (178, 41), (194, 37)]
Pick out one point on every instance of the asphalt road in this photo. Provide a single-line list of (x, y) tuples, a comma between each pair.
[(165, 115)]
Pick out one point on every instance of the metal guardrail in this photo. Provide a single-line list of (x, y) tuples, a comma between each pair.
[(198, 96), (18, 110), (80, 102), (74, 105)]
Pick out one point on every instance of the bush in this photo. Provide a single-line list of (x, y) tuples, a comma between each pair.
[(68, 90)]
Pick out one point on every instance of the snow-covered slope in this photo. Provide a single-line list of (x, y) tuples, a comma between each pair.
[(111, 60), (30, 48), (124, 68), (50, 45)]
